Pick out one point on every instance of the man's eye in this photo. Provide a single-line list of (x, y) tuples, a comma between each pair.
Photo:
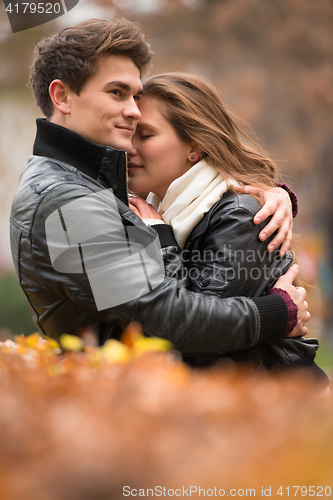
[(116, 92), (136, 98)]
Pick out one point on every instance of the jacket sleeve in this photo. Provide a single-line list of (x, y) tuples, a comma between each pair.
[(193, 322)]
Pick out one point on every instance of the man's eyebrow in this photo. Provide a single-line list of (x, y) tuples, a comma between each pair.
[(122, 85)]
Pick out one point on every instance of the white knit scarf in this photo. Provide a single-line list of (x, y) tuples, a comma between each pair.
[(189, 197)]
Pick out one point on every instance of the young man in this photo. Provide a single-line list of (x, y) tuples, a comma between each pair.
[(72, 233)]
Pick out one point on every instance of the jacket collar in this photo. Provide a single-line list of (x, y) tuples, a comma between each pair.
[(104, 164)]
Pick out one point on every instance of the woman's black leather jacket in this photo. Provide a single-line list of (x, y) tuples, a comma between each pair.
[(225, 258)]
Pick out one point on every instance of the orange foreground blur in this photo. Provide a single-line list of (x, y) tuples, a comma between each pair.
[(83, 425)]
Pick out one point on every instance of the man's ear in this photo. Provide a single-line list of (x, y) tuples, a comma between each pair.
[(59, 94)]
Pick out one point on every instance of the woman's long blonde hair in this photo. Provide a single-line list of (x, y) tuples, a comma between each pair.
[(198, 115)]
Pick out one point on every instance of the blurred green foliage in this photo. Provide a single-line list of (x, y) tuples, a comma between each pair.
[(15, 316), (324, 357)]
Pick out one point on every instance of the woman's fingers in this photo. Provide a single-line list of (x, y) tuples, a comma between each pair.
[(136, 200), (286, 243), (275, 200), (134, 209), (278, 218), (283, 236), (143, 209), (307, 317), (287, 279), (266, 211), (270, 204), (278, 205), (302, 292), (297, 294), (272, 200), (301, 323), (252, 190)]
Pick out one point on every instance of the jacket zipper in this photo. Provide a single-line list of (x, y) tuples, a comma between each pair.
[(126, 166)]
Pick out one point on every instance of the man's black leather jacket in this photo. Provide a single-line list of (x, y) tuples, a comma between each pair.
[(65, 167)]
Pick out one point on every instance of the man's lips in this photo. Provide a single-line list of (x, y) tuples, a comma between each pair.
[(128, 129)]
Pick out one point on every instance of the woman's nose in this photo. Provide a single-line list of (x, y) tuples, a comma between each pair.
[(132, 152)]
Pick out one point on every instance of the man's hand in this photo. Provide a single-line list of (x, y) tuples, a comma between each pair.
[(276, 201), (297, 294)]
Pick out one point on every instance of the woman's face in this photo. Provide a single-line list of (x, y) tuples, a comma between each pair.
[(158, 156)]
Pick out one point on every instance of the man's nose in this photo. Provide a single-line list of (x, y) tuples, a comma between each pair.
[(132, 110)]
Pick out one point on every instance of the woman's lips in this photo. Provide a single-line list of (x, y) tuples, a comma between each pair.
[(131, 166)]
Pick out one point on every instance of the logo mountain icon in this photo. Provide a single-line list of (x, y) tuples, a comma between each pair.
[(23, 15), (87, 236)]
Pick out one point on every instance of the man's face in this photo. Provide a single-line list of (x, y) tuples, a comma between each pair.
[(106, 110)]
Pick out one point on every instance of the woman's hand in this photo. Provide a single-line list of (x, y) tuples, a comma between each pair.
[(297, 294), (276, 201), (142, 209)]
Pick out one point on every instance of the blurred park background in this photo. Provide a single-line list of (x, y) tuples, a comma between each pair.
[(271, 60)]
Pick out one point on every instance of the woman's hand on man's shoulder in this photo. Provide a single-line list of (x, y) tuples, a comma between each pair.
[(276, 202)]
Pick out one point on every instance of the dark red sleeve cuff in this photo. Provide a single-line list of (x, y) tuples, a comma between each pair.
[(292, 195), (292, 308)]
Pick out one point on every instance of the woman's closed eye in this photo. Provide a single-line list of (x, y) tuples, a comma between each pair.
[(145, 136)]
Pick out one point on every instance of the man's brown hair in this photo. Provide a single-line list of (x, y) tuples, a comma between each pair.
[(72, 54)]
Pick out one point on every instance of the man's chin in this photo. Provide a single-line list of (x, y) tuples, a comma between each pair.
[(121, 146), (116, 143)]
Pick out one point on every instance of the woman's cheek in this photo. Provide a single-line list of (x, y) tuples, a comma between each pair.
[(148, 151)]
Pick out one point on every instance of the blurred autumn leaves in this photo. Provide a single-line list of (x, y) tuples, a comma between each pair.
[(131, 346), (77, 426)]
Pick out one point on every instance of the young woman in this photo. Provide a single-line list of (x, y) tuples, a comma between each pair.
[(189, 153)]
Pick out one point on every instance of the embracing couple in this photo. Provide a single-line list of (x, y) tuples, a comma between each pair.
[(214, 289)]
